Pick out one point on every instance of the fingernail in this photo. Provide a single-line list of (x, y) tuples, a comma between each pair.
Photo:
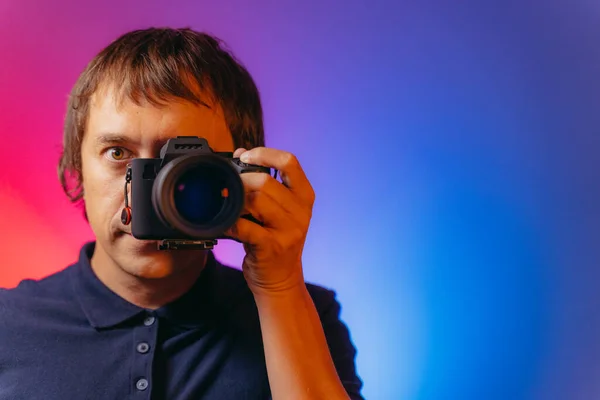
[(245, 157)]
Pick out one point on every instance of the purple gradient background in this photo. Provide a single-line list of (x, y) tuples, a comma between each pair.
[(454, 150)]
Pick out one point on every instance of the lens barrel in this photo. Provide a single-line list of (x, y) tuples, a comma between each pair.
[(199, 195)]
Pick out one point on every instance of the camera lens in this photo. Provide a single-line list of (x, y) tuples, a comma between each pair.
[(200, 196), (200, 193)]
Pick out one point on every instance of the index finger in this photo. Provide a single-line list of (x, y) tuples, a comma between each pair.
[(292, 174)]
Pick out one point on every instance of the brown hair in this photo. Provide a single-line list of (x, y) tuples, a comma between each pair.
[(155, 65)]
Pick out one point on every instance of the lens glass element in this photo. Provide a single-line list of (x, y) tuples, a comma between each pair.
[(200, 194)]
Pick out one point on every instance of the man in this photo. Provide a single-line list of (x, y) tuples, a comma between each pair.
[(131, 321)]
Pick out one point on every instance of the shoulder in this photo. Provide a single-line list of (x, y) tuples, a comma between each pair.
[(322, 296), (53, 284), (234, 292), (35, 294), (232, 281), (231, 285)]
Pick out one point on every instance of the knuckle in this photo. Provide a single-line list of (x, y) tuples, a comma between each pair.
[(263, 179), (289, 160), (312, 195)]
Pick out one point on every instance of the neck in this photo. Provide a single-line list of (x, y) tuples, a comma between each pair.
[(145, 289)]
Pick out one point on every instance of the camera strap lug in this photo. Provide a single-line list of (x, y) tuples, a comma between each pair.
[(126, 213)]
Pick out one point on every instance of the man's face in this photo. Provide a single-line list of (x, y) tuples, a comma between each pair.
[(116, 132)]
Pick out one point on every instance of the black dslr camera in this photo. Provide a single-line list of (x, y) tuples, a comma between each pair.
[(188, 197)]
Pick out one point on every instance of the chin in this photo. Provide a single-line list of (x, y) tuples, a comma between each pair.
[(143, 259), (153, 264)]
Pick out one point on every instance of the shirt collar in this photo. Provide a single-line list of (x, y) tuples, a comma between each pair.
[(105, 309)]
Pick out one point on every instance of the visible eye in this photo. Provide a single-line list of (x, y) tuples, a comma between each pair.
[(117, 153)]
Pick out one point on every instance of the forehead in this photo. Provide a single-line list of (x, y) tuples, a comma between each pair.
[(148, 123)]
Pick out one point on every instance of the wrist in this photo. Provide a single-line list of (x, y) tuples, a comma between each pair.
[(275, 284), (288, 293)]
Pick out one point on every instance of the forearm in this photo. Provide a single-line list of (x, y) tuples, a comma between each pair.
[(299, 363)]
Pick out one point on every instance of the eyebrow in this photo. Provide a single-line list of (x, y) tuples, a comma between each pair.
[(113, 138)]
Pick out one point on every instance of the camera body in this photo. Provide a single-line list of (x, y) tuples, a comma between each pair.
[(189, 194)]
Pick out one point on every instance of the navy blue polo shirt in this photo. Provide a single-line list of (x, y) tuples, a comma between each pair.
[(68, 336)]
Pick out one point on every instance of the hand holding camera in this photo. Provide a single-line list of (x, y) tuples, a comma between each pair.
[(190, 197), (273, 261)]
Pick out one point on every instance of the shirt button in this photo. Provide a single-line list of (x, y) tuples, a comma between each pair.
[(143, 347), (149, 320), (142, 384)]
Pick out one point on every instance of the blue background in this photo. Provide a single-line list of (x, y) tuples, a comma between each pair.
[(453, 146)]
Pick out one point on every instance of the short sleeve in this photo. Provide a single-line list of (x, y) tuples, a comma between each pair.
[(340, 345)]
